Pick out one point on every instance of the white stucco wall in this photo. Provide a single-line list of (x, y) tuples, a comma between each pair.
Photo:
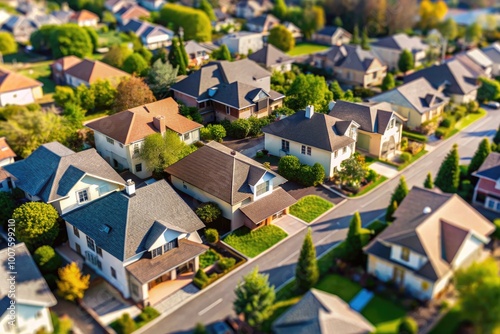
[(18, 97), (30, 318), (414, 261)]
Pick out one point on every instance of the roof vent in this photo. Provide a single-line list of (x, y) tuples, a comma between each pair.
[(427, 210), (233, 152), (105, 228)]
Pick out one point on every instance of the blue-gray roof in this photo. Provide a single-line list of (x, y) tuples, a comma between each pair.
[(134, 221), (490, 169)]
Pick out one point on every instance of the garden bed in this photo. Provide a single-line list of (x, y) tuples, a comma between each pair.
[(370, 186), (310, 207), (252, 243)]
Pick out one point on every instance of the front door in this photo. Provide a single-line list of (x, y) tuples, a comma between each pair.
[(398, 275), (78, 249)]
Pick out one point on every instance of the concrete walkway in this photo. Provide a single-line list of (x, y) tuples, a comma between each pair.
[(289, 224), (169, 303), (384, 169)]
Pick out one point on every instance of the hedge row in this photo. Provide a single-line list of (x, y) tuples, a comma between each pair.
[(415, 136), (290, 168)]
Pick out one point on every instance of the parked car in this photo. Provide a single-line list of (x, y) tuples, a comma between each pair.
[(221, 327), (493, 105)]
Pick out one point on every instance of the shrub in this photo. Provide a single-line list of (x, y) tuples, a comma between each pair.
[(371, 176), (208, 258), (47, 259), (212, 235), (208, 212), (472, 107), (288, 167), (404, 143), (51, 280), (466, 189), (240, 128), (441, 132), (125, 324), (256, 125), (408, 326), (226, 263), (415, 147), (448, 122), (415, 136), (148, 314), (217, 131), (200, 279), (496, 234), (205, 134), (405, 157), (259, 154)]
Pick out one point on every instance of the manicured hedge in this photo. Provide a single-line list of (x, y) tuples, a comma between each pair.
[(415, 136)]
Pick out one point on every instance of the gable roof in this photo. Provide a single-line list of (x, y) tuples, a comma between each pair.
[(321, 312), (262, 20), (192, 47), (131, 218), (132, 11), (270, 56), (479, 57), (473, 67), (5, 150), (330, 31), (401, 42), (137, 123), (66, 62), (490, 168), (53, 169), (371, 117), (418, 95), (352, 57), (83, 15), (423, 232), (493, 52), (453, 74), (12, 81), (322, 131), (90, 71), (224, 175), (145, 29), (31, 287)]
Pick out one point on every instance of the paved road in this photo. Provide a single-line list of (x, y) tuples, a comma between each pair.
[(216, 302)]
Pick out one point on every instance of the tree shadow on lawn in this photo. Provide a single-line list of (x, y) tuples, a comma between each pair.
[(298, 191), (343, 222)]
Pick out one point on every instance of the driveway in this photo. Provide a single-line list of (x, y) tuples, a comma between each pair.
[(298, 191), (289, 224), (384, 169), (247, 146)]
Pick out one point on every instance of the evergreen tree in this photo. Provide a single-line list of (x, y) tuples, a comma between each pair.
[(280, 10), (481, 154), (176, 58), (496, 139), (388, 83), (254, 298), (208, 9), (448, 177), (398, 196), (355, 35), (390, 211), (307, 272), (428, 183), (160, 77), (365, 41), (337, 91), (354, 242), (338, 22), (222, 53), (406, 61), (184, 54)]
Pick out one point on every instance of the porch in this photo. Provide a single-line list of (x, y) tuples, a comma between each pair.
[(160, 291)]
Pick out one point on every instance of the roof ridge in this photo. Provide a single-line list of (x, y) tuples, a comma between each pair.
[(232, 179)]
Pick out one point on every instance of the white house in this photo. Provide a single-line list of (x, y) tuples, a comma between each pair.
[(493, 53), (119, 137), (137, 239), (152, 36), (242, 42), (433, 235), (56, 175), (26, 298), (389, 49), (18, 89), (312, 137)]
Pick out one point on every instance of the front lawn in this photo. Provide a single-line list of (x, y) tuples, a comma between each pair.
[(384, 315), (310, 207), (307, 48), (340, 286), (466, 121), (413, 159), (41, 72), (252, 243), (449, 323)]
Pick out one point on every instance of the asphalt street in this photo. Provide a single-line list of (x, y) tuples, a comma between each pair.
[(215, 302)]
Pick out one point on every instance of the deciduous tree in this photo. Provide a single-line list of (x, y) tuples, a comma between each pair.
[(36, 224), (352, 170), (208, 9), (448, 177), (307, 272), (449, 29), (481, 154), (195, 22), (388, 83), (116, 55), (474, 33), (70, 39), (309, 89), (132, 92), (208, 212), (135, 64), (280, 9), (406, 61), (8, 44), (281, 38), (431, 13), (489, 90), (72, 284), (337, 91)]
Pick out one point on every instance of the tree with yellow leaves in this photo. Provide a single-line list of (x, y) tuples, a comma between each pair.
[(431, 13), (72, 283)]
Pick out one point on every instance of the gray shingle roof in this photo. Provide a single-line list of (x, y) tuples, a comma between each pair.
[(490, 168), (31, 287), (319, 131), (370, 117), (222, 175), (351, 57), (53, 169), (493, 52), (401, 42), (270, 56), (131, 218)]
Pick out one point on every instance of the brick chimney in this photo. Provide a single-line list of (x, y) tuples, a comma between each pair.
[(159, 123)]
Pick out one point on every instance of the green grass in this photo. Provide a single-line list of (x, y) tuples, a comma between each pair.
[(208, 258), (466, 121), (272, 159), (371, 186), (22, 57), (306, 48), (449, 323), (415, 136), (41, 72), (310, 207), (112, 37), (252, 243), (413, 159), (384, 315), (340, 286), (91, 116)]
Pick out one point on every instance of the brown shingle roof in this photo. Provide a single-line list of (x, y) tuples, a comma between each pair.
[(11, 81), (145, 270), (66, 62), (137, 123), (83, 15), (92, 70), (5, 150), (271, 204)]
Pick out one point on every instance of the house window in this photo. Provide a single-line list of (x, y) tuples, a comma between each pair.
[(285, 145), (90, 243), (170, 245), (228, 110), (109, 140), (336, 154), (156, 252), (136, 148), (103, 189), (405, 254), (135, 290), (78, 249), (138, 168), (262, 188), (113, 272), (82, 196), (398, 275), (99, 251), (201, 105), (76, 232), (309, 150), (305, 150), (121, 145), (187, 136)]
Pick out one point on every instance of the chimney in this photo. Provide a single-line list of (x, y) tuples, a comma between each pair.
[(427, 210), (159, 123), (130, 187), (65, 7), (309, 111), (331, 104)]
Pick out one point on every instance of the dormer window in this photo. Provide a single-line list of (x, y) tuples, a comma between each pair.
[(170, 245), (405, 254), (262, 188), (156, 252), (82, 196)]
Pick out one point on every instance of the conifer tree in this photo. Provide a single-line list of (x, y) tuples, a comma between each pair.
[(428, 183), (307, 272), (398, 196), (337, 91), (448, 177), (176, 58), (365, 41), (481, 154), (355, 35), (388, 83), (354, 241), (496, 139), (390, 211)]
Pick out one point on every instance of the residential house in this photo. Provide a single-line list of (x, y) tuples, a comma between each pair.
[(272, 59), (152, 36), (493, 53), (313, 137), (229, 90), (352, 65), (139, 240), (64, 14), (152, 5), (129, 11), (21, 27), (331, 35), (248, 9), (242, 42), (84, 18), (73, 71), (247, 193), (389, 49), (417, 101), (26, 296), (487, 190), (56, 175), (262, 24), (198, 53), (452, 78), (17, 89), (115, 5), (480, 60), (433, 235), (224, 21), (380, 128), (7, 156), (321, 313), (292, 28), (119, 137)]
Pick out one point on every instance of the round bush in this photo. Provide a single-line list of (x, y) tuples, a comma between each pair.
[(208, 212), (217, 132), (47, 259), (226, 263), (448, 122), (371, 176), (212, 235), (205, 134), (441, 132), (405, 157), (408, 326)]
